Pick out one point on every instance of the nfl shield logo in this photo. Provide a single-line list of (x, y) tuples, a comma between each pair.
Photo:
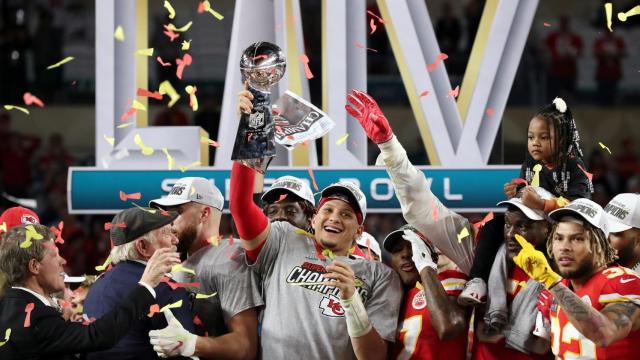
[(256, 120)]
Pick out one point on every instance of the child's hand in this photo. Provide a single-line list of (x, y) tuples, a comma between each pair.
[(531, 199), (510, 190)]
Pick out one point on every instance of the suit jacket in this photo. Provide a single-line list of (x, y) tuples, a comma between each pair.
[(51, 337), (108, 292)]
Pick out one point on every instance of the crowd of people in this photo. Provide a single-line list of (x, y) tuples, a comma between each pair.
[(555, 275)]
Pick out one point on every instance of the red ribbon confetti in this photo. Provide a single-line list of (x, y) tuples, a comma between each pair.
[(165, 64), (518, 181), (441, 57), (197, 321), (424, 93), (546, 24), (182, 63), (372, 24), (586, 173), (58, 232), (27, 318), (170, 33), (481, 223), (454, 93), (174, 285), (258, 57), (375, 16), (88, 321), (360, 46), (282, 197), (313, 179), (153, 309), (146, 93), (307, 71), (30, 99), (109, 225), (133, 196), (490, 112), (128, 114)]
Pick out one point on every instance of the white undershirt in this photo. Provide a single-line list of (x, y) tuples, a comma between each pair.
[(40, 297)]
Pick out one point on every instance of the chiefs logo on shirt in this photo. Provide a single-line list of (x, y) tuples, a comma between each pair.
[(330, 305)]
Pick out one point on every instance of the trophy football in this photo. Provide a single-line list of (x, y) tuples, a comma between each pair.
[(262, 65)]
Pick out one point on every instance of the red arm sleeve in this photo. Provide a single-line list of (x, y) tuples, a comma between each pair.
[(249, 219)]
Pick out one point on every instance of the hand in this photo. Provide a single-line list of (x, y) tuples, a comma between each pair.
[(545, 299), (173, 340), (531, 199), (369, 115), (158, 265), (422, 256), (535, 264), (345, 278), (510, 190), (244, 100)]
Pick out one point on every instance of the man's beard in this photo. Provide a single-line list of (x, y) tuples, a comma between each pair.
[(187, 237), (582, 271)]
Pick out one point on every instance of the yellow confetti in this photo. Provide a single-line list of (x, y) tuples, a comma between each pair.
[(150, 211), (302, 232), (215, 240), (30, 233), (622, 16), (536, 175), (3, 227), (110, 140), (608, 10), (19, 108), (7, 335), (176, 304), (60, 63), (207, 8), (193, 100), (205, 296), (119, 33), (105, 265), (167, 88), (328, 253), (145, 52), (146, 150), (193, 190), (342, 139), (138, 105), (206, 140), (182, 29), (122, 126), (192, 165), (605, 147), (180, 268), (172, 12), (463, 234), (186, 45), (170, 160)]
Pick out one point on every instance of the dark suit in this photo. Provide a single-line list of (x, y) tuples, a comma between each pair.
[(51, 337)]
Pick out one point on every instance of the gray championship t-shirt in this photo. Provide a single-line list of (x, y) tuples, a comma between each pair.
[(308, 321), (223, 270)]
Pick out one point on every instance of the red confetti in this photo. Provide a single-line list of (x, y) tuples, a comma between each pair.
[(258, 57), (360, 46), (170, 33), (519, 181), (128, 114), (64, 304), (441, 57), (182, 63), (282, 197), (200, 7), (153, 309), (133, 196), (372, 24), (144, 92), (586, 173), (109, 225), (197, 321), (58, 232), (490, 112), (481, 223), (319, 251), (454, 93), (546, 24), (424, 93), (164, 213), (174, 285), (313, 178), (27, 318), (307, 71), (165, 64), (376, 16), (32, 99)]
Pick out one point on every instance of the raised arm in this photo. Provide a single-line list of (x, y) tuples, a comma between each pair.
[(252, 224)]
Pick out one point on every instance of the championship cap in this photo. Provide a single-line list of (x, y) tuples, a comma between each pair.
[(533, 214), (367, 240), (623, 212), (585, 209), (188, 189), (18, 215), (291, 185), (396, 235), (349, 192), (138, 221)]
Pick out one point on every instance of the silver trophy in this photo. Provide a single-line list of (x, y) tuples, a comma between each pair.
[(262, 65)]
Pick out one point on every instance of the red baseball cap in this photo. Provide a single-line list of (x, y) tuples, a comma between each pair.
[(18, 215)]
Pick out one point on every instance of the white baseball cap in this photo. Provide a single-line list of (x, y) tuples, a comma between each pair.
[(290, 184), (585, 209), (352, 191), (623, 212), (533, 214), (368, 241), (73, 279), (188, 189)]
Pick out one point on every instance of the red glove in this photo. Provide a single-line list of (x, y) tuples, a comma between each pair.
[(369, 115), (545, 299)]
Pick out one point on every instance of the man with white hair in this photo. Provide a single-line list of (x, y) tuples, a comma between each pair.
[(623, 215), (136, 233)]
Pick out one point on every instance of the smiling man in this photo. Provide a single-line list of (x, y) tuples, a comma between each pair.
[(596, 311), (320, 301)]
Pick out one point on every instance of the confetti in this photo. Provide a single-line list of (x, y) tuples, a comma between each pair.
[(138, 105), (328, 253), (304, 233), (604, 147), (182, 63), (313, 179), (60, 63), (608, 9), (424, 93), (174, 285), (180, 268), (258, 57), (122, 126), (441, 57), (372, 24), (128, 114), (176, 304), (623, 16), (165, 64), (193, 100), (376, 16), (307, 71), (13, 107), (30, 99), (30, 234), (360, 46), (110, 140), (206, 6), (172, 12), (181, 29), (454, 93), (109, 225), (150, 211), (146, 150), (463, 234), (102, 267), (281, 198), (58, 232), (205, 296), (536, 175), (186, 45), (490, 112), (200, 7), (27, 318), (170, 160), (146, 93), (192, 165), (172, 35), (145, 52), (153, 309), (3, 227), (546, 24), (586, 173), (481, 223), (119, 33), (7, 335), (204, 140), (134, 196), (342, 139)]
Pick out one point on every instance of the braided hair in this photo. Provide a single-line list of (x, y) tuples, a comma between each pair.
[(566, 142), (598, 245)]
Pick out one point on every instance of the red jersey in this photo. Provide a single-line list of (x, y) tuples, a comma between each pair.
[(614, 284), (417, 339), (497, 351)]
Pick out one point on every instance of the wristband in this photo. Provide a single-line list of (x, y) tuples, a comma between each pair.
[(358, 323)]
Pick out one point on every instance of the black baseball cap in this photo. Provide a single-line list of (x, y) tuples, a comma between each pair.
[(138, 221)]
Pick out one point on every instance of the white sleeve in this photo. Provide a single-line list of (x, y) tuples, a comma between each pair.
[(419, 204)]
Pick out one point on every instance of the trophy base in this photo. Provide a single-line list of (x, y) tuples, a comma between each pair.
[(260, 165)]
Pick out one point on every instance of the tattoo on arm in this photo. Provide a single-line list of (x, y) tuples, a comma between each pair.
[(577, 309), (621, 314)]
